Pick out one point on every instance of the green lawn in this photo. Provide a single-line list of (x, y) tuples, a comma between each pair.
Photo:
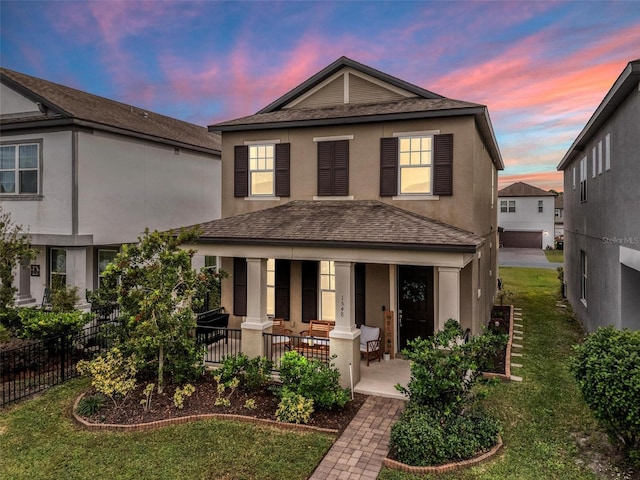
[(555, 256), (544, 415), (39, 441)]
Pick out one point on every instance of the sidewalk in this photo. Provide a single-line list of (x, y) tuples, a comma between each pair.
[(358, 453)]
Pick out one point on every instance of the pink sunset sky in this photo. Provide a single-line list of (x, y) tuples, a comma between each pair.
[(541, 67)]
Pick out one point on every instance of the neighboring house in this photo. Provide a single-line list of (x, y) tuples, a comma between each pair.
[(84, 174), (526, 216), (559, 216), (355, 194), (602, 210)]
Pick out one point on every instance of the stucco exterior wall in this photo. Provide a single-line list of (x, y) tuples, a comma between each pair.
[(125, 185), (607, 222)]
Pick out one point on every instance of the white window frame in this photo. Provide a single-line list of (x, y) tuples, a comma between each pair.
[(410, 136), (57, 270), (593, 162), (17, 169), (327, 289), (583, 277), (540, 206), (607, 152), (600, 157), (271, 287), (507, 206), (100, 268), (253, 147)]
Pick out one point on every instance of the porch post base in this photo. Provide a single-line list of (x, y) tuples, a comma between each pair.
[(346, 347), (252, 342)]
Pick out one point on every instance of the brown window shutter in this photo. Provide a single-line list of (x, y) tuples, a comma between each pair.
[(388, 167), (309, 291), (341, 168), (240, 287), (241, 171), (359, 274), (325, 168), (282, 168), (443, 164), (283, 280)]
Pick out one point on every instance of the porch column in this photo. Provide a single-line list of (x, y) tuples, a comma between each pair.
[(256, 320), (448, 295), (76, 269), (345, 337), (23, 277)]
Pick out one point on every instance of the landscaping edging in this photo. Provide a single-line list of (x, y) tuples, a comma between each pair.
[(506, 376), (447, 467), (143, 427)]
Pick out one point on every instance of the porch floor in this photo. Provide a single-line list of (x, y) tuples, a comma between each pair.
[(380, 378)]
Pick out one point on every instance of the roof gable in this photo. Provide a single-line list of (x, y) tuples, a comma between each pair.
[(62, 104), (521, 189), (346, 66)]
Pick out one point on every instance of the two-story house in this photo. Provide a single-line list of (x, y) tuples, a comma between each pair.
[(602, 210), (84, 174), (354, 194), (559, 216), (526, 216)]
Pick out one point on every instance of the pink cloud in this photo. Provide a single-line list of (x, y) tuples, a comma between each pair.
[(545, 180)]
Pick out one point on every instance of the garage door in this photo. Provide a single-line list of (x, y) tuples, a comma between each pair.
[(514, 239)]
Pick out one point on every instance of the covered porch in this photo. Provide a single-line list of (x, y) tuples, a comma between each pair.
[(350, 262)]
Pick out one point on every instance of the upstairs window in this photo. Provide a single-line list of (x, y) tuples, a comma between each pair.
[(416, 164), (540, 206), (19, 169), (261, 169), (507, 206), (583, 179)]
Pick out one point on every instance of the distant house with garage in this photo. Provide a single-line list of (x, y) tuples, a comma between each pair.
[(526, 216)]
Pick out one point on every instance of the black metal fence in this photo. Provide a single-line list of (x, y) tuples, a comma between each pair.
[(276, 345), (220, 342), (33, 368)]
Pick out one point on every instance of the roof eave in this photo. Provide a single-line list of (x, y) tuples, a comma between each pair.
[(623, 86), (470, 248), (27, 92), (71, 122)]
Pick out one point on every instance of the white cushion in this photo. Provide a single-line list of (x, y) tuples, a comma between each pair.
[(368, 334), (315, 341), (280, 339)]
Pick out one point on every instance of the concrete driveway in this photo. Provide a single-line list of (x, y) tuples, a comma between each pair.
[(524, 257)]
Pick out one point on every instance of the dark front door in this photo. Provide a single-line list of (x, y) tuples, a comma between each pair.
[(415, 303)]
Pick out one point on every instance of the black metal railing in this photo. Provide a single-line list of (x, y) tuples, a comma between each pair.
[(220, 342), (276, 345), (33, 368)]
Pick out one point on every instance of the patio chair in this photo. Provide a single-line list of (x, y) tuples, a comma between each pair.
[(370, 343), (281, 335)]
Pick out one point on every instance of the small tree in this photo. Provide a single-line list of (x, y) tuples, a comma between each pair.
[(607, 368), (15, 246), (156, 288)]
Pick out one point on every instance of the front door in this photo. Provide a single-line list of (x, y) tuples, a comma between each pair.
[(415, 303)]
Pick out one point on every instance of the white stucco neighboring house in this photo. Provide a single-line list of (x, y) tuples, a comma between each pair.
[(526, 216), (85, 174)]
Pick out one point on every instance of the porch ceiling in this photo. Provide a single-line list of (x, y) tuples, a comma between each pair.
[(340, 224)]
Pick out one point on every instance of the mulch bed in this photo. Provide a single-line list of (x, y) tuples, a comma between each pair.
[(202, 402)]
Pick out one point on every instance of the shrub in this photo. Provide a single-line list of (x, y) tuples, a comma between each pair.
[(148, 393), (607, 368), (10, 319), (221, 399), (423, 437), (40, 325), (112, 374), (4, 334), (64, 298), (257, 373), (294, 408), (313, 379), (184, 362), (90, 404), (232, 367), (181, 393)]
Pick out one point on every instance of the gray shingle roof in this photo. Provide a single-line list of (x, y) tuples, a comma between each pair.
[(98, 112), (521, 189), (355, 224), (409, 105)]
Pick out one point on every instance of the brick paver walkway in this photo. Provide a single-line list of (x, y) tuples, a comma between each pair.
[(358, 453)]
